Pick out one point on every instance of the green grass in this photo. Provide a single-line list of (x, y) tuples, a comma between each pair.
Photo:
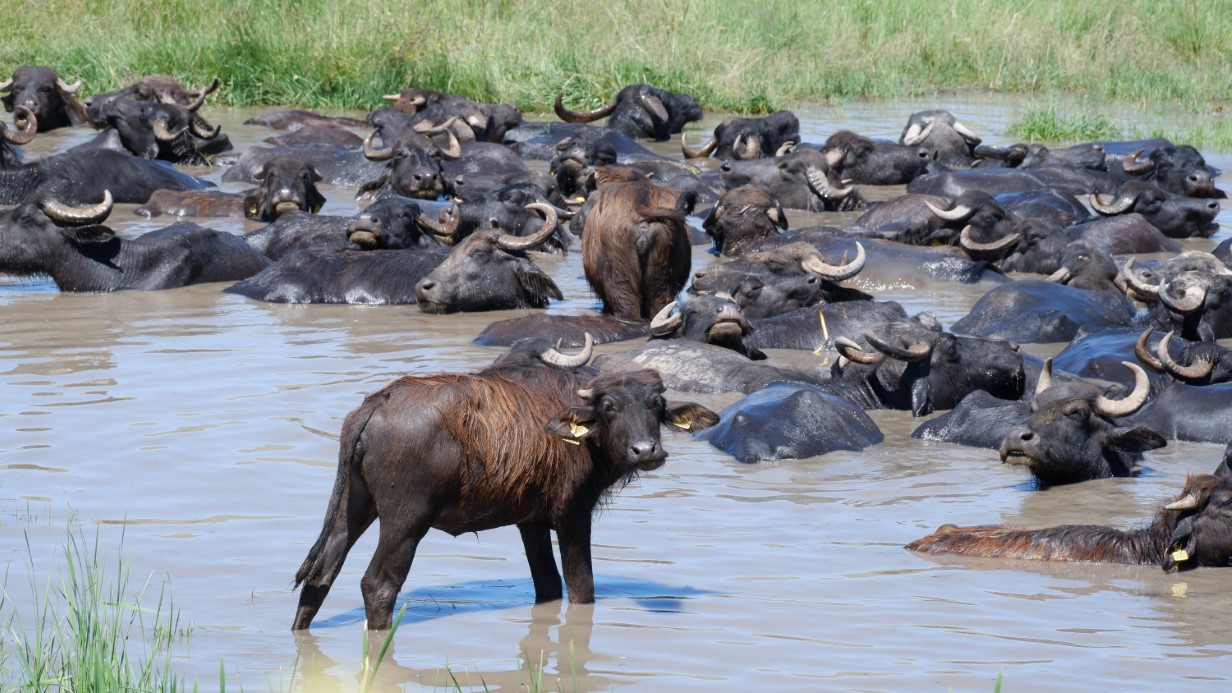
[(91, 631), (735, 56)]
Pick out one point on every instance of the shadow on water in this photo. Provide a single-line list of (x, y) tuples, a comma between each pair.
[(426, 604)]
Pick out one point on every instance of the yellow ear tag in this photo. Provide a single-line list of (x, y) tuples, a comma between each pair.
[(1180, 555), (682, 423), (578, 430), (1180, 589)]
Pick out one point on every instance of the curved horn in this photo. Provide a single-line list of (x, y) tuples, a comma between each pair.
[(1061, 276), (454, 148), (966, 133), (852, 351), (202, 129), (834, 157), (77, 215), (1045, 379), (664, 323), (785, 148), (1144, 355), (1132, 280), (915, 134), (1106, 207), (438, 228), (1133, 165), (581, 116), (211, 87), (586, 393), (391, 97), (27, 132), (554, 358), (821, 187), (698, 153), (835, 273), (959, 213), (1186, 503), (974, 246), (162, 133), (7, 85), (68, 88), (373, 154), (510, 242), (918, 351), (1194, 371), (1194, 298), (654, 107), (1132, 402), (195, 105)]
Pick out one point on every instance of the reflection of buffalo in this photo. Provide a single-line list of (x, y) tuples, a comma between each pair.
[(520, 442)]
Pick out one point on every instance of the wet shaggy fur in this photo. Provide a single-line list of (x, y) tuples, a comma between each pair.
[(1205, 533), (635, 247)]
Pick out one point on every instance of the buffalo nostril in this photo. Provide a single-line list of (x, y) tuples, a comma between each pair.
[(1027, 436), (427, 285), (644, 448)]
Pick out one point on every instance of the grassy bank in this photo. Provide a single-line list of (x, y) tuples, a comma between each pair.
[(740, 56)]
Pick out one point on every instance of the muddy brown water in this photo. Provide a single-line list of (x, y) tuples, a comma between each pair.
[(196, 433)]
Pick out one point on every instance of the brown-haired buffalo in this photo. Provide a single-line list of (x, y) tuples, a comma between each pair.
[(519, 442), (635, 245), (1193, 530)]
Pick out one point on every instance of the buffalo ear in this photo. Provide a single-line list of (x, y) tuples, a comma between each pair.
[(690, 417), (573, 423), (537, 283), (1224, 470), (316, 177), (261, 172), (1136, 439), (252, 205), (686, 202), (89, 234)]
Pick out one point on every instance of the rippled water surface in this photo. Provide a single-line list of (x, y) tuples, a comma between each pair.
[(198, 430)]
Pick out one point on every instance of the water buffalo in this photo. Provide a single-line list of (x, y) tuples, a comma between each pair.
[(413, 165), (1176, 169), (816, 327), (690, 366), (152, 89), (911, 367), (509, 208), (519, 442), (71, 245), (489, 122), (749, 138), (940, 132), (635, 246), (45, 96), (489, 270), (780, 280), (368, 277), (1072, 436), (576, 156), (742, 216), (1177, 216), (337, 164), (1193, 530), (639, 111), (1037, 310), (284, 184), (1083, 266), (165, 131), (799, 180), (390, 223), (1192, 295), (863, 161), (790, 421), (714, 320), (566, 330), (973, 220), (1198, 363)]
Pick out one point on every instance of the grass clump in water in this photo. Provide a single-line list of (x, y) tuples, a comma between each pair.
[(90, 632), (1050, 125)]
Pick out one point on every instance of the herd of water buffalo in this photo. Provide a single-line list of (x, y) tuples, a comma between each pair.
[(456, 195)]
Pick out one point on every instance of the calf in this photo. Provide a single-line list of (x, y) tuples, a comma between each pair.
[(1193, 530), (519, 443)]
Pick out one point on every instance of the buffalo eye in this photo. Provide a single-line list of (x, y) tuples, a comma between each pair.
[(658, 403), (609, 407)]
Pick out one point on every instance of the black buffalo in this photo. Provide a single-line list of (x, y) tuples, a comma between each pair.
[(639, 111), (42, 94), (749, 138)]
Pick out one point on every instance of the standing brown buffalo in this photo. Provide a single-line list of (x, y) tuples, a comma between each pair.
[(528, 441), (635, 245)]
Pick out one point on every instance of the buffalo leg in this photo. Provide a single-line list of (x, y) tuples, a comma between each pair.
[(395, 550), (353, 516), (538, 541), (575, 557)]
